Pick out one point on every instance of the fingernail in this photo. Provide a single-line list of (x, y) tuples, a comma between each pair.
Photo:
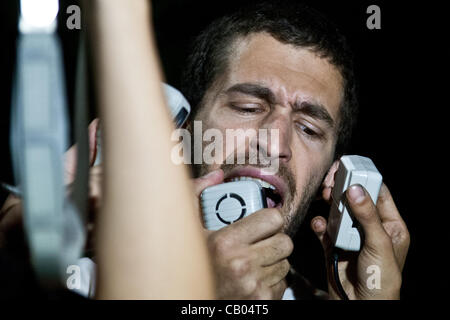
[(356, 194)]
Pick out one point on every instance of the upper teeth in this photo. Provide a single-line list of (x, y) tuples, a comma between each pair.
[(263, 183)]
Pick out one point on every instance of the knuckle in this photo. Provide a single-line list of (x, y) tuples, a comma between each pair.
[(239, 267), (275, 217), (286, 242), (248, 287), (261, 292), (400, 234), (405, 233), (220, 244)]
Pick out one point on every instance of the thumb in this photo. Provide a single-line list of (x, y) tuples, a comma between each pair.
[(366, 213)]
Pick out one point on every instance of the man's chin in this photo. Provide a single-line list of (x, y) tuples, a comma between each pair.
[(294, 218)]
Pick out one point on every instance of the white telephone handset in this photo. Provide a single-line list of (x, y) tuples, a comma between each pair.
[(342, 227), (226, 203)]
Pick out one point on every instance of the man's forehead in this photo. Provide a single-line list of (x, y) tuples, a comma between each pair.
[(292, 72)]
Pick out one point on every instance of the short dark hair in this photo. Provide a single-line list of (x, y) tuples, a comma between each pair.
[(289, 22)]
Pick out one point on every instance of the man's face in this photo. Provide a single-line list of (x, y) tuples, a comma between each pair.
[(271, 85)]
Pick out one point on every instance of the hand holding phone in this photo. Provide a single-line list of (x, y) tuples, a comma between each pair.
[(377, 250), (238, 243), (342, 227)]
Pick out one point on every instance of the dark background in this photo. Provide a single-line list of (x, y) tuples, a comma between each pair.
[(399, 68)]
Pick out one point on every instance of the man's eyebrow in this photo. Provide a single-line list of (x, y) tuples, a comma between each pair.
[(315, 110), (255, 90)]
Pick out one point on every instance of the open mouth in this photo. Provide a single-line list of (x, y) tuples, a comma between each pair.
[(272, 193)]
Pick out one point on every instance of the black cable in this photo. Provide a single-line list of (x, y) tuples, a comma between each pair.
[(341, 291)]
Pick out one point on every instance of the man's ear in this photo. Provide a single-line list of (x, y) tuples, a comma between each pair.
[(328, 182)]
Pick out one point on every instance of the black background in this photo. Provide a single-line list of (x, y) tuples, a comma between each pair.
[(401, 74)]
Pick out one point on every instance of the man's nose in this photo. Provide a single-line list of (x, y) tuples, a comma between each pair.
[(277, 140)]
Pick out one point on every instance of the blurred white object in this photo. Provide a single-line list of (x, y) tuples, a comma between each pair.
[(38, 15)]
